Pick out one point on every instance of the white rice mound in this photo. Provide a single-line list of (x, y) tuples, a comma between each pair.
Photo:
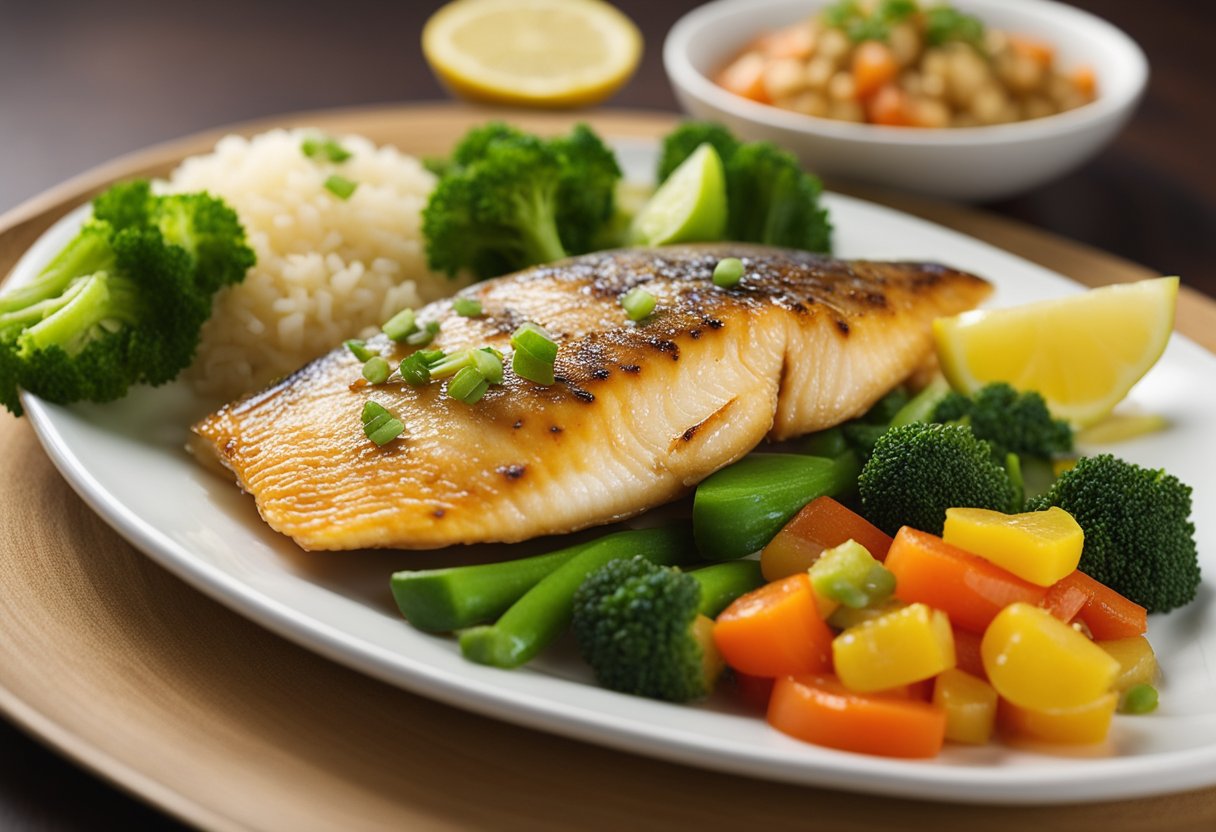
[(328, 268)]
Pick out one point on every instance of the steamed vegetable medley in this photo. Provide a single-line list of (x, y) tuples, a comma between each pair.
[(901, 63), (940, 569)]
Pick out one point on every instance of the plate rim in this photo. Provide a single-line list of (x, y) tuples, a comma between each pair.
[(136, 531)]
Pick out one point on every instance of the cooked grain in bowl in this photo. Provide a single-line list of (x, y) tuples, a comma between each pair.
[(328, 267)]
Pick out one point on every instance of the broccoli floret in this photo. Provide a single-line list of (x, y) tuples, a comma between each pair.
[(587, 191), (633, 624), (636, 624), (919, 470), (770, 199), (1139, 538), (507, 200), (1012, 421), (125, 300)]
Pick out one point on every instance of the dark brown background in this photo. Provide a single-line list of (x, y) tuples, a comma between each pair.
[(82, 82)]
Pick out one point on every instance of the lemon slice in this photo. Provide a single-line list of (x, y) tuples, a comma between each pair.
[(1082, 353), (550, 53), (689, 206)]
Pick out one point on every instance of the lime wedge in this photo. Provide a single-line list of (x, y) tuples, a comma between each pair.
[(689, 207), (1082, 353)]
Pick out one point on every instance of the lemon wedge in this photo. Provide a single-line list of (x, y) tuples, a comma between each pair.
[(1082, 353), (546, 53)]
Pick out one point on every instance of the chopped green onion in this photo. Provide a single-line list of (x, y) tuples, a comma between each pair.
[(466, 307), (379, 425), (423, 336), (340, 186), (452, 363), (468, 386), (638, 303), (535, 353), (401, 326), (324, 146), (416, 368), (488, 362), (728, 272), (376, 370), (359, 350), (1140, 699)]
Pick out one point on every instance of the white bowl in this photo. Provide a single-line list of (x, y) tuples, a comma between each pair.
[(970, 163)]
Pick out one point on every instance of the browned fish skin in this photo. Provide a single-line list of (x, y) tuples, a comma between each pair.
[(639, 413)]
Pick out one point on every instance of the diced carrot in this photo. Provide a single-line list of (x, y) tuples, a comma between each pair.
[(822, 524), (775, 630), (874, 66), (966, 587), (1037, 50), (754, 691), (797, 41), (1084, 80), (818, 709), (745, 76), (1106, 613), (1064, 599), (967, 653), (890, 106)]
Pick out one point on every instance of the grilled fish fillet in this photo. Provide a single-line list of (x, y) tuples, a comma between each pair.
[(639, 414)]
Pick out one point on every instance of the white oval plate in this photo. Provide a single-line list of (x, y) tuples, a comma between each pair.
[(127, 461)]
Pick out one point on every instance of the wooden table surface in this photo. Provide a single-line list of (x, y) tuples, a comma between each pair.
[(81, 83)]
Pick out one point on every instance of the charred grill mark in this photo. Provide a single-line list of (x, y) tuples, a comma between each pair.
[(842, 325), (691, 431), (664, 345), (632, 369), (600, 374), (694, 334), (576, 391), (512, 472), (519, 423)]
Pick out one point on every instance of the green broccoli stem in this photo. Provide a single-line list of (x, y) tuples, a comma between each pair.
[(86, 254), (741, 508), (441, 600), (722, 583), (97, 301), (538, 224), (544, 612), (921, 406)]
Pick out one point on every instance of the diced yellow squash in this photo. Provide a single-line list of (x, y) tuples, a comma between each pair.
[(1080, 725), (712, 663), (1036, 661), (969, 703), (904, 646), (1037, 546), (1137, 662)]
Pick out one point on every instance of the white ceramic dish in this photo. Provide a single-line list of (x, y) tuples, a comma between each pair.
[(959, 163), (127, 461)]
